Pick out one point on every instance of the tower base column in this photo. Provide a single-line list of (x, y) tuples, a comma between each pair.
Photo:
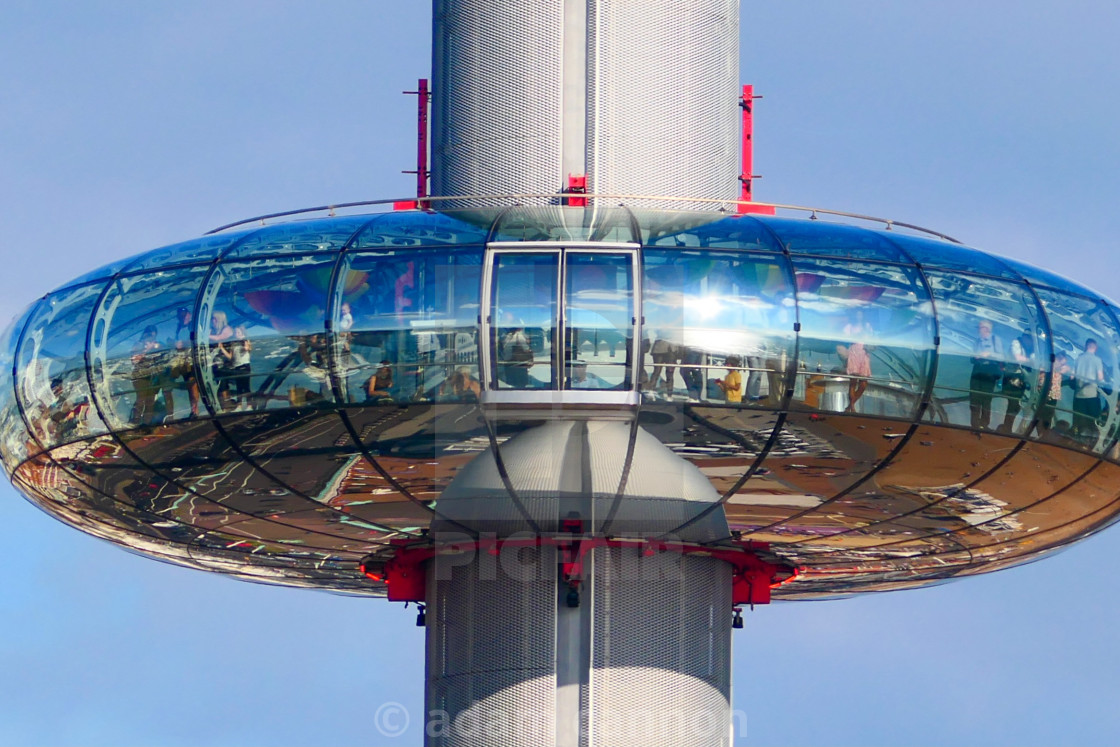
[(644, 659)]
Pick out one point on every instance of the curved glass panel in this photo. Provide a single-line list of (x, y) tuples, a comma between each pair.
[(866, 337), (831, 240), (98, 273), (993, 344), (598, 316), (1039, 276), (814, 461), (555, 223), (722, 321), (63, 494), (13, 433), (196, 251), (51, 378), (407, 229), (261, 333), (406, 325), (733, 232), (1046, 485), (323, 235), (140, 352), (1080, 406), (923, 487), (945, 255), (524, 307)]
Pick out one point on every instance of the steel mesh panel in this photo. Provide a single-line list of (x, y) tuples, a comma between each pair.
[(491, 645), (494, 708), (496, 97), (663, 90), (584, 716), (662, 650)]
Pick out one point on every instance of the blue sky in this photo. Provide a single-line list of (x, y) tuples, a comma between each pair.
[(128, 125)]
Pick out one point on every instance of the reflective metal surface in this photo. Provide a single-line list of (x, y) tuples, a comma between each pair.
[(884, 411)]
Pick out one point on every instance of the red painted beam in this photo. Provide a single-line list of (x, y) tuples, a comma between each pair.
[(746, 176), (423, 98), (422, 140)]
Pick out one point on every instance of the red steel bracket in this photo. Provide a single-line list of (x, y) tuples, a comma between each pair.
[(577, 185), (406, 580)]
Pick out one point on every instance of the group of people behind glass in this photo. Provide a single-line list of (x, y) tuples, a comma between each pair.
[(666, 355), (1012, 372), (998, 371), (160, 367)]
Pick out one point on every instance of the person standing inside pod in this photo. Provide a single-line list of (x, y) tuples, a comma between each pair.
[(238, 364), (1016, 379), (182, 363), (732, 384), (857, 361), (1088, 374), (146, 364), (343, 342), (516, 357), (693, 369), (66, 417), (987, 369), (220, 331), (379, 385), (1048, 408)]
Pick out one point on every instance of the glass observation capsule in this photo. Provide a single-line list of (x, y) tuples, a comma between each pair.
[(881, 410)]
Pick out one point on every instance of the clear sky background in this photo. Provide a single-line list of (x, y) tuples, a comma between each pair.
[(127, 125)]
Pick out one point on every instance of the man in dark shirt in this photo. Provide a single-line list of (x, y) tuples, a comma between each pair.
[(987, 368)]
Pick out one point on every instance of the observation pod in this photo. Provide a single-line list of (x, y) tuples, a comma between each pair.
[(580, 431)]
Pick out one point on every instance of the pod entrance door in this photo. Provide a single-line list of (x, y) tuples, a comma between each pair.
[(560, 320)]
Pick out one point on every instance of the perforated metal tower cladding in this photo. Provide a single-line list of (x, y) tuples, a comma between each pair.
[(491, 638), (661, 653), (662, 81), (496, 97), (646, 656), (639, 96)]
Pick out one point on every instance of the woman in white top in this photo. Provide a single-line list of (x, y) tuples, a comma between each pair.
[(236, 369)]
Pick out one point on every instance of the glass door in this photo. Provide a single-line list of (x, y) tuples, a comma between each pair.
[(599, 320), (524, 318), (560, 319)]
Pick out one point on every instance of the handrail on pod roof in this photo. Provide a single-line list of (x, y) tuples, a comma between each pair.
[(890, 224)]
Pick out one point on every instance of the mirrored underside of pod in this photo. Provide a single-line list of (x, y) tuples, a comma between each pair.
[(857, 503)]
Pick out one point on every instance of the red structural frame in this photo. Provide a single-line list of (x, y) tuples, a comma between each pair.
[(405, 576), (423, 99), (747, 176)]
